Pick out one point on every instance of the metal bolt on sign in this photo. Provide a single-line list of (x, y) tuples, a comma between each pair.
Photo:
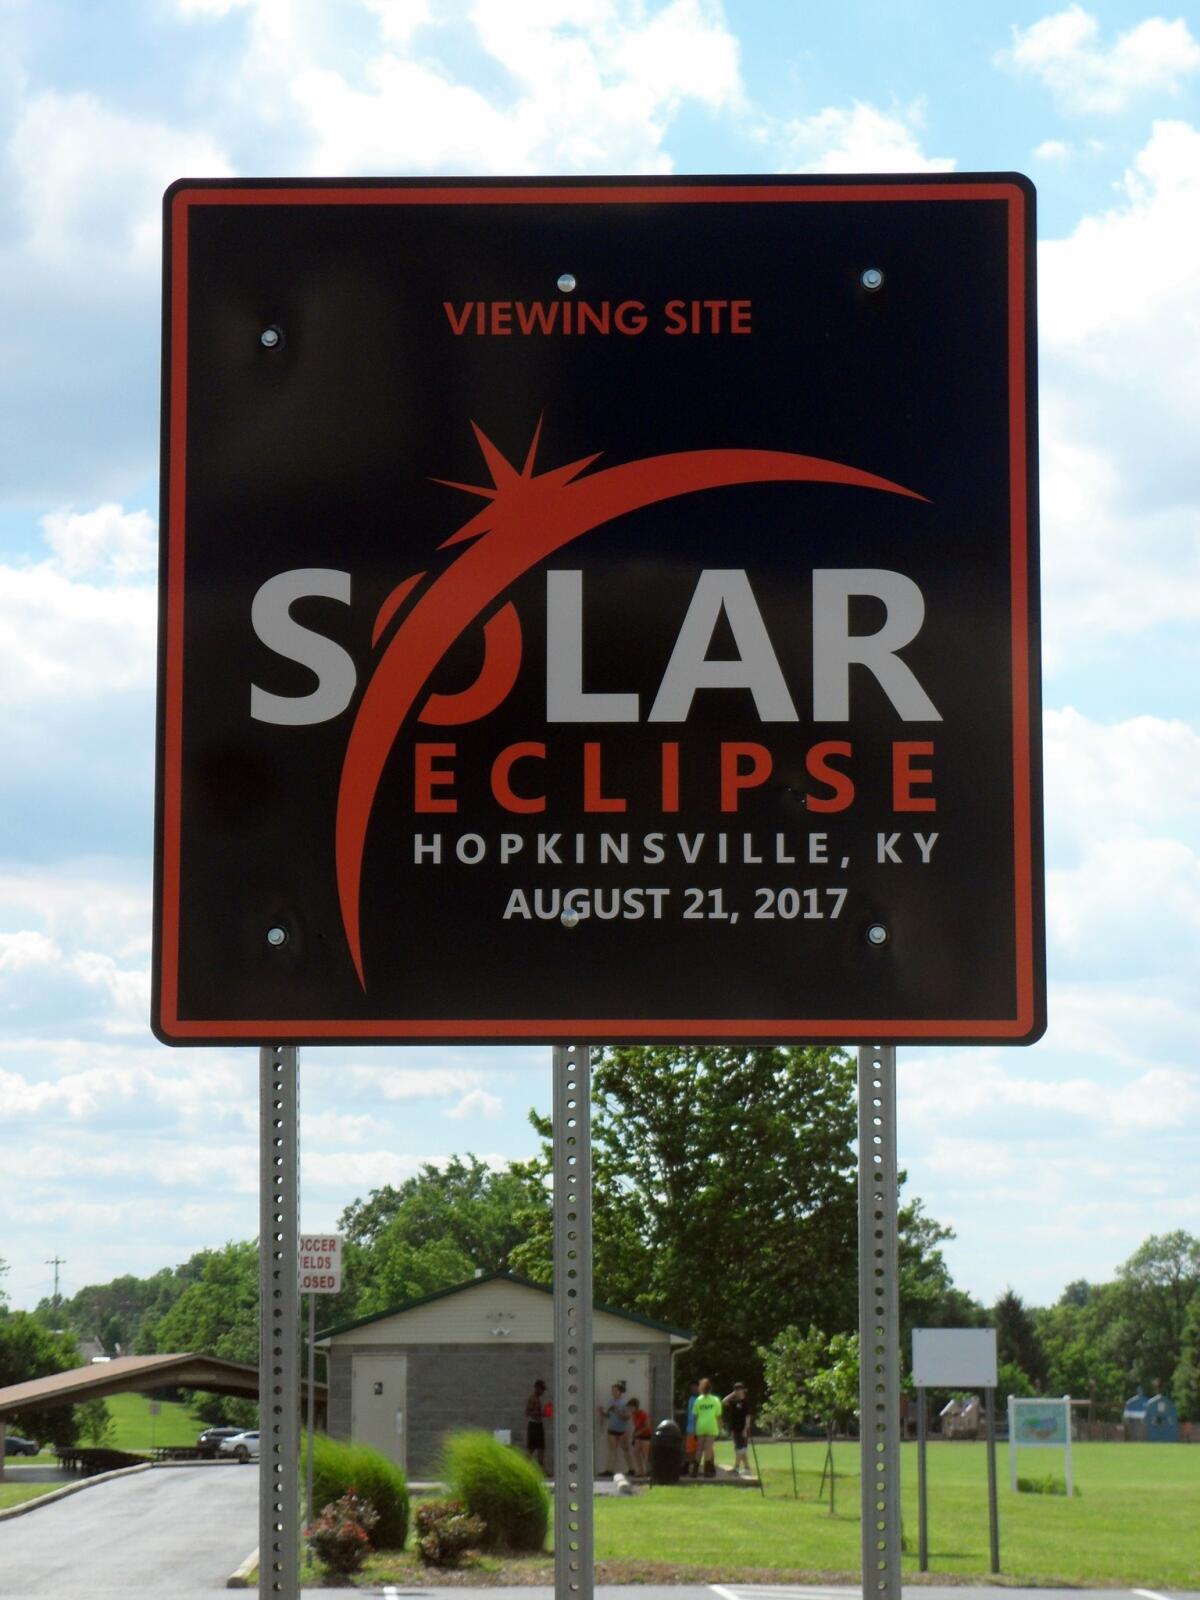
[(573, 1376), (279, 1332), (878, 1323)]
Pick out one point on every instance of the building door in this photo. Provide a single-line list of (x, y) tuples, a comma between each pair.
[(379, 1402), (630, 1367)]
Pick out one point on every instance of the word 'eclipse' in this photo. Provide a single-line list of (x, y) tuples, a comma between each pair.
[(531, 515)]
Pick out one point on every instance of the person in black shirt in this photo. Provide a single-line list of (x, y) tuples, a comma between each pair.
[(535, 1428), (739, 1414)]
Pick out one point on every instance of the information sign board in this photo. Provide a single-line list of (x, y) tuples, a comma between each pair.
[(1039, 1422), (599, 610), (320, 1263), (954, 1358)]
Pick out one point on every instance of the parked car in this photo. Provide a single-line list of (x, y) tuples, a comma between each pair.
[(242, 1446), (214, 1437), (14, 1445)]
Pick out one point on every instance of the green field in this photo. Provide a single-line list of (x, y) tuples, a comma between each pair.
[(138, 1430), (12, 1494), (1135, 1522)]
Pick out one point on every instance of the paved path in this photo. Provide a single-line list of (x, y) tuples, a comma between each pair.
[(176, 1532)]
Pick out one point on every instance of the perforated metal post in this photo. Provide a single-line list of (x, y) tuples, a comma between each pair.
[(878, 1323), (572, 1394), (279, 1327)]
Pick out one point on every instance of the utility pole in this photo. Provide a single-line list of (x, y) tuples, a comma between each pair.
[(56, 1262)]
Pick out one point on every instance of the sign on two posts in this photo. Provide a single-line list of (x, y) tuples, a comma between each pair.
[(601, 610)]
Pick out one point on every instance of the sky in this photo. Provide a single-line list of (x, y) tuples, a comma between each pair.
[(1051, 1163)]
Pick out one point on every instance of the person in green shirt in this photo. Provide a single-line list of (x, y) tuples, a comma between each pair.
[(708, 1425)]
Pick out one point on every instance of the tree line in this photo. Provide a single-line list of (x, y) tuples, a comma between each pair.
[(724, 1203)]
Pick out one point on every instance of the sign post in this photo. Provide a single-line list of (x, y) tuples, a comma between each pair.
[(279, 1330), (319, 1265), (1040, 1424), (956, 1358), (574, 1404), (575, 627)]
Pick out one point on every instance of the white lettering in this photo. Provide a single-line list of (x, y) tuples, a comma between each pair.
[(756, 667), (271, 619), (836, 649), (566, 700)]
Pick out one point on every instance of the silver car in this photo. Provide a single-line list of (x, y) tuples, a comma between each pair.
[(242, 1446)]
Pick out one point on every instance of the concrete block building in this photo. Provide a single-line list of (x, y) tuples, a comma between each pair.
[(467, 1357)]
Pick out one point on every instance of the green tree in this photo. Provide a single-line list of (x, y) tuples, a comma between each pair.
[(1077, 1338), (435, 1230), (218, 1313), (810, 1376), (725, 1197), (1185, 1386), (724, 1193), (1017, 1341), (96, 1424), (1157, 1287), (30, 1350), (928, 1297)]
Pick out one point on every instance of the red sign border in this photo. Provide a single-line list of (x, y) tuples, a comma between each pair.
[(1028, 1022)]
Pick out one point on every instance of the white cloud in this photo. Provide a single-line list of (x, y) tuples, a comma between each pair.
[(358, 1171), (417, 1083), (861, 139), (71, 641), (88, 181), (400, 19), (343, 1127), (90, 903), (41, 981), (1106, 779), (1063, 51), (1053, 150), (1120, 351), (478, 1104), (594, 86), (936, 1093), (210, 8), (108, 539), (1134, 265)]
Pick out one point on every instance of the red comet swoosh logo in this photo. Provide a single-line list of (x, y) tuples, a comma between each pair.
[(529, 516)]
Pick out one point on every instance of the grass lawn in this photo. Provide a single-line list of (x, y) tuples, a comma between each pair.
[(138, 1430), (12, 1494), (1133, 1523)]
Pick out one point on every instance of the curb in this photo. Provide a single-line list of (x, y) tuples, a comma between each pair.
[(241, 1578)]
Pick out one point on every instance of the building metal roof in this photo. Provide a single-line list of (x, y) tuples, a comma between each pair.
[(499, 1277), (125, 1373)]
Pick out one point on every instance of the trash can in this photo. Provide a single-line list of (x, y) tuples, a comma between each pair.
[(666, 1453)]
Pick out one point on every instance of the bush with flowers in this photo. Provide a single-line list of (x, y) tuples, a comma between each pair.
[(340, 1538)]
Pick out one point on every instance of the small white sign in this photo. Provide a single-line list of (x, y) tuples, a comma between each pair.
[(320, 1263), (954, 1358)]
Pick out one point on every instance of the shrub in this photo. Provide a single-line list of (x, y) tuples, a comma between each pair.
[(340, 1537), (340, 1467), (446, 1531), (506, 1489), (1047, 1485)]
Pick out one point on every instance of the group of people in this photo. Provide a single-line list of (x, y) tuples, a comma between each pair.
[(628, 1432), (705, 1413)]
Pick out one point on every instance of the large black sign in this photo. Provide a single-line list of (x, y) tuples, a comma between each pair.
[(599, 610)]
